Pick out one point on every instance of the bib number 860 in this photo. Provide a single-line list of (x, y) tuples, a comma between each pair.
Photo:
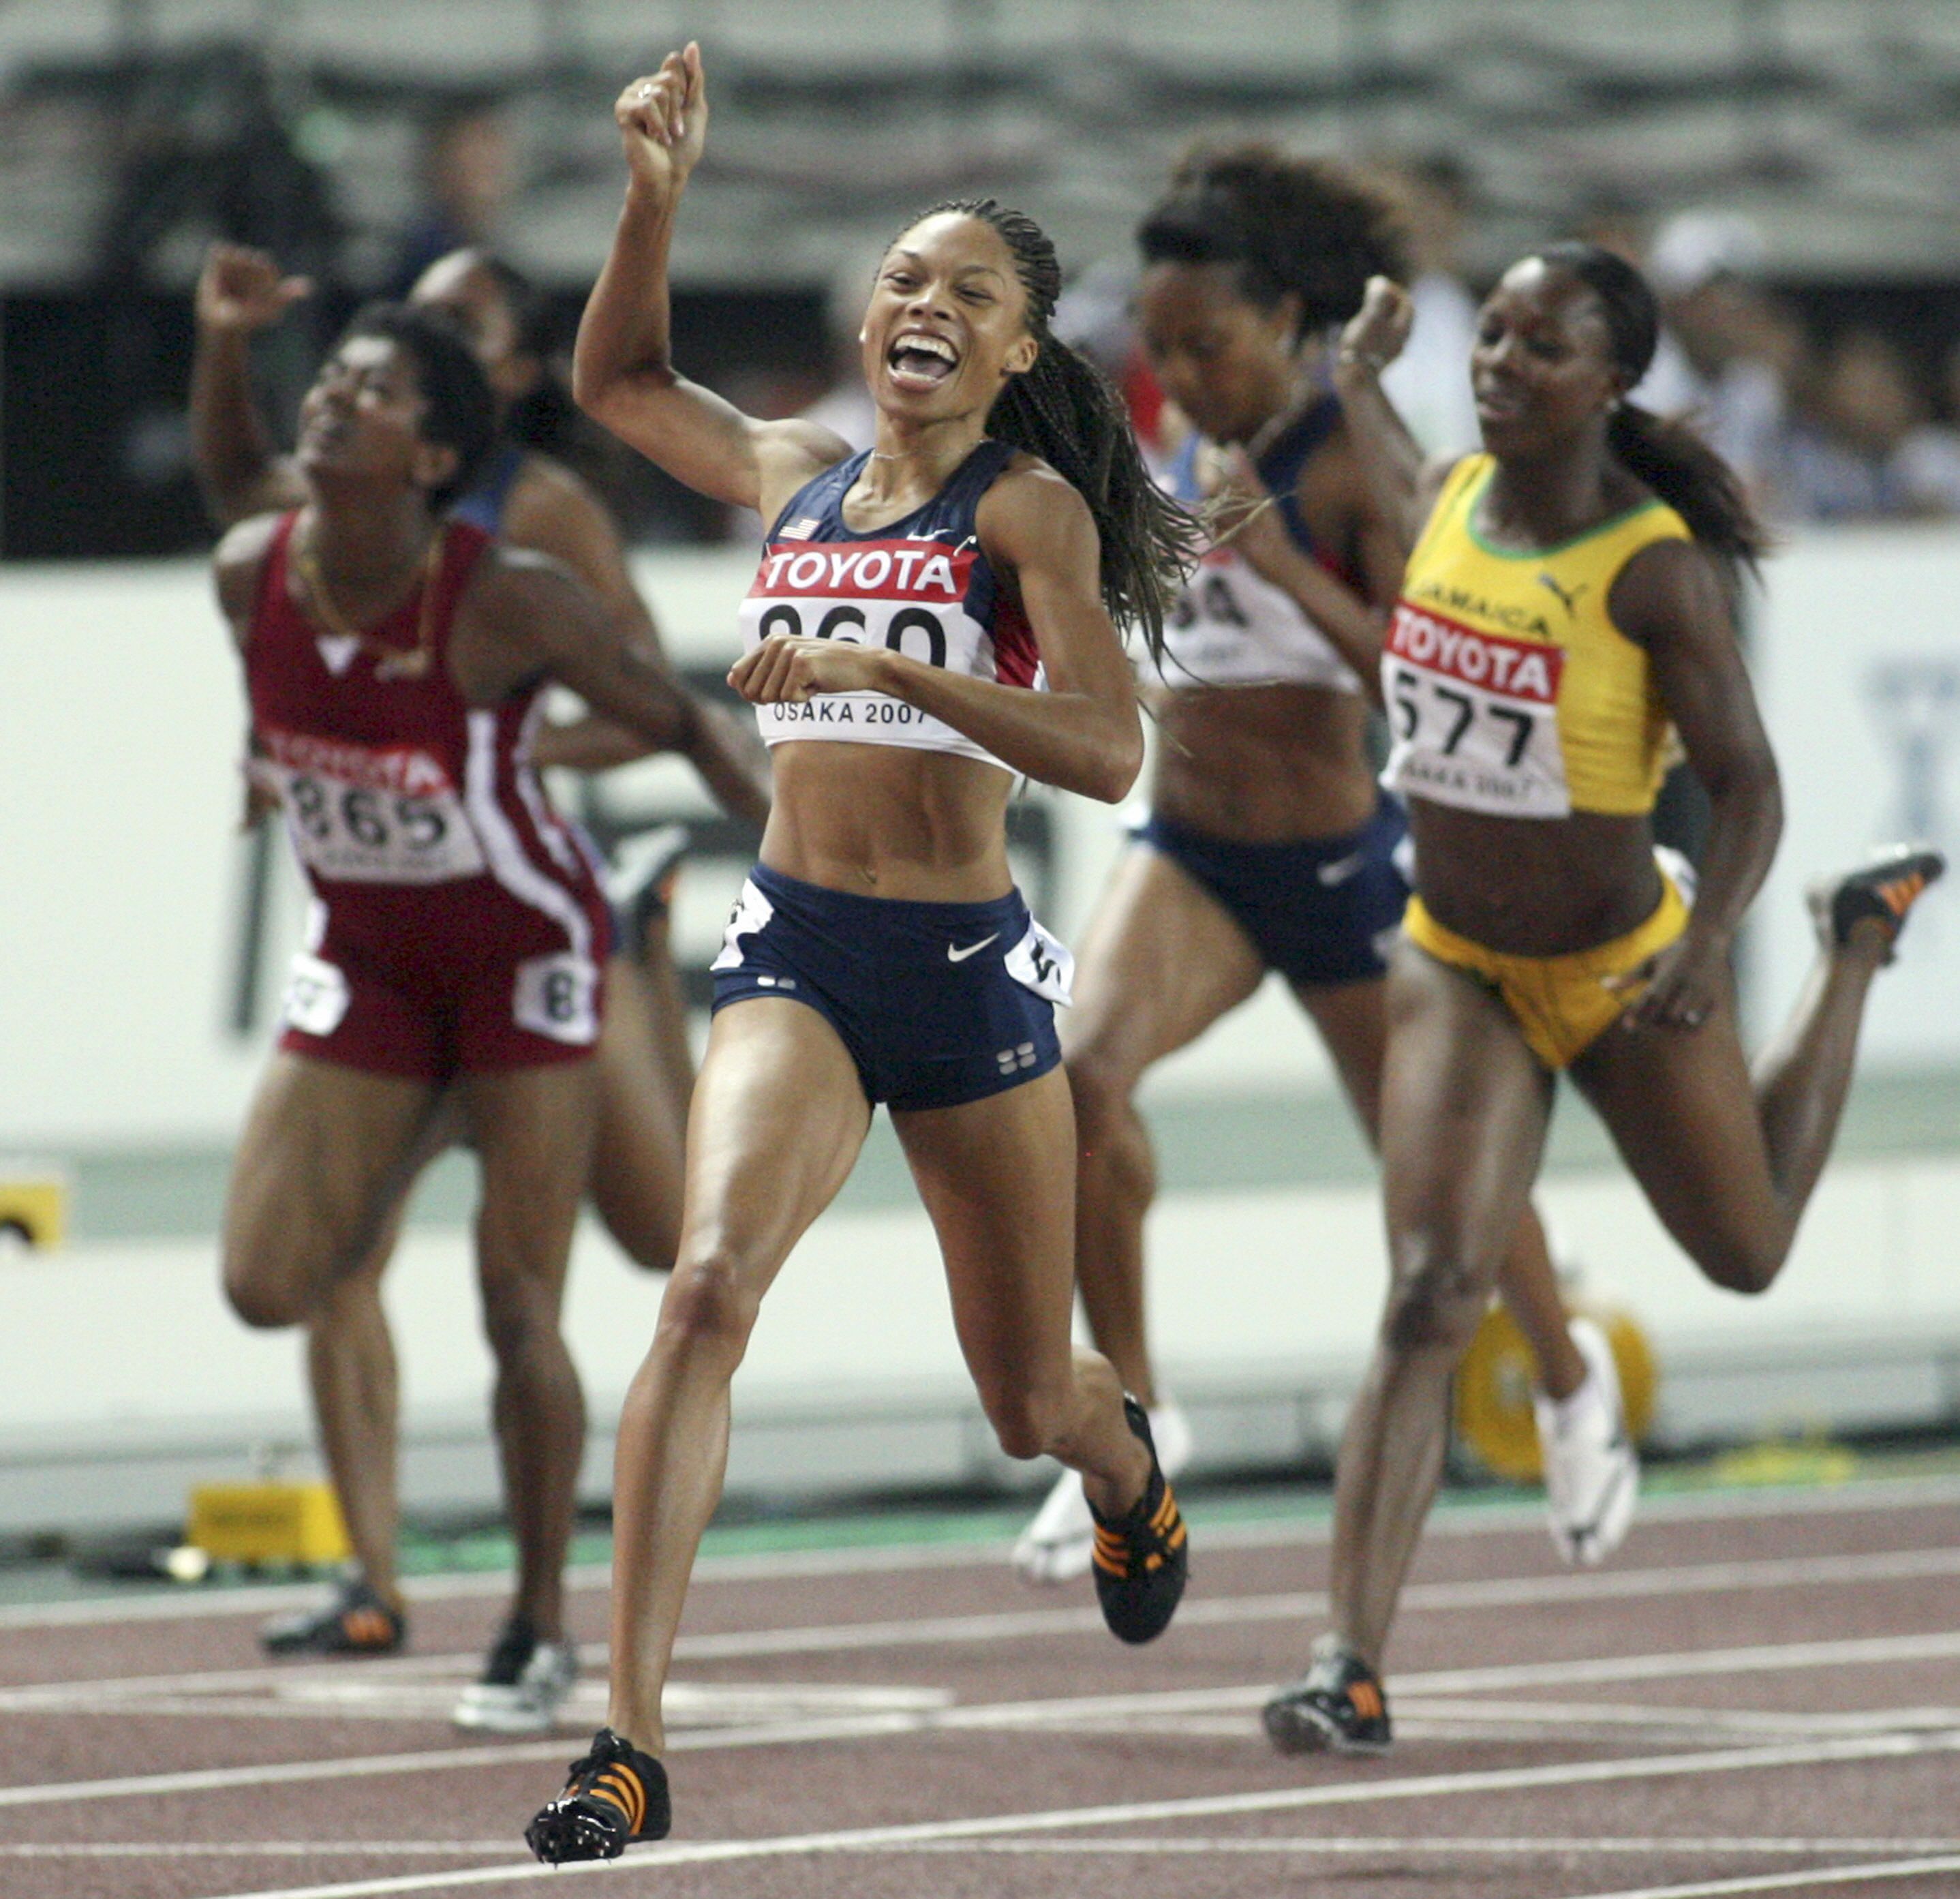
[(848, 622)]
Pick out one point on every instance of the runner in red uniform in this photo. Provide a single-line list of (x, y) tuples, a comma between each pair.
[(528, 498), (456, 924), (394, 663)]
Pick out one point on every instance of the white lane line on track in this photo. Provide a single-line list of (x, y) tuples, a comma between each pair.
[(1853, 1875), (900, 1839), (1056, 1714), (1876, 1496), (1366, 1846), (287, 1849), (1216, 1612), (1375, 1845), (1562, 1723), (1021, 1625), (1735, 1721)]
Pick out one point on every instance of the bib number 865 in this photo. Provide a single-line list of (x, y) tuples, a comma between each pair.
[(371, 818)]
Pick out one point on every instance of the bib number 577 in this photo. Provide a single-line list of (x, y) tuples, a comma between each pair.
[(1457, 711)]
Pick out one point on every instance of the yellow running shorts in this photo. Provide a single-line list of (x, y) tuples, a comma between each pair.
[(1560, 1003)]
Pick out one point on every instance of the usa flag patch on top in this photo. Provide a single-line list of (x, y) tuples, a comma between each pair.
[(801, 529)]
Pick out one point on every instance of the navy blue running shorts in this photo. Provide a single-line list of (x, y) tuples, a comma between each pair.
[(1321, 913), (937, 1003)]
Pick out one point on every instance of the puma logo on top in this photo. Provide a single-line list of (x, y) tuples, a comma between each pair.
[(1569, 601)]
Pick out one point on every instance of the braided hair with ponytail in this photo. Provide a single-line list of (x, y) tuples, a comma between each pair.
[(1668, 456), (1065, 411)]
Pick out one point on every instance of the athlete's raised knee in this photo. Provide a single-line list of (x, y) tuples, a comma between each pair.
[(267, 1301), (1109, 1136), (651, 1241), (1101, 1083), (273, 1277), (1747, 1264)]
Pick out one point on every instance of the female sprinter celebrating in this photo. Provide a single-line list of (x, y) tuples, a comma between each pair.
[(1565, 608), (1268, 845), (908, 600)]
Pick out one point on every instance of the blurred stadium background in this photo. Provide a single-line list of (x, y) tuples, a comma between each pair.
[(1790, 169)]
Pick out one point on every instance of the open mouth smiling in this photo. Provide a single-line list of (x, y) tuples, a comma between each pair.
[(920, 359)]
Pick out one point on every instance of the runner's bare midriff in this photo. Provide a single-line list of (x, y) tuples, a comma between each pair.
[(882, 820), (1526, 886), (1262, 764)]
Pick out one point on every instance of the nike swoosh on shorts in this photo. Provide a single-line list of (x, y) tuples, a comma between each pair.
[(1341, 868), (972, 949)]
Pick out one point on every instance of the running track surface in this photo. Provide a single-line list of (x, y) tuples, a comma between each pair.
[(1761, 1694)]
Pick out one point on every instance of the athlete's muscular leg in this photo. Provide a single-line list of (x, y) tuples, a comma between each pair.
[(318, 1168), (1352, 1018), (779, 1116), (643, 1082), (1162, 962), (533, 1128), (997, 1177), (1729, 1159), (352, 1372), (1464, 1110)]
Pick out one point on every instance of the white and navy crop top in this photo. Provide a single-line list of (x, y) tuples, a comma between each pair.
[(920, 586), (1230, 625)]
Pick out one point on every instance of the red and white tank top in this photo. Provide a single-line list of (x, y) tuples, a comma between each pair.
[(388, 775), (920, 586)]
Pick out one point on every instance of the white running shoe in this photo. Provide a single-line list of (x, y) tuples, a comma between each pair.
[(1592, 1471), (1057, 1546), (523, 1687)]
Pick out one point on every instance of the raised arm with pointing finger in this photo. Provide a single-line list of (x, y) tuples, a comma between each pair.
[(622, 369), (240, 292)]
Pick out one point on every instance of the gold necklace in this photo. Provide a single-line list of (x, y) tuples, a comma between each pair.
[(391, 662)]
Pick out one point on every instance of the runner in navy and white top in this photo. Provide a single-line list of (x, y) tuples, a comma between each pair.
[(920, 585), (931, 621), (1268, 846)]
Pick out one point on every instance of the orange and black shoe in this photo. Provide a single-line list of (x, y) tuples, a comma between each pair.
[(1338, 1703), (1141, 1560), (356, 1621), (614, 1797), (1884, 887)]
